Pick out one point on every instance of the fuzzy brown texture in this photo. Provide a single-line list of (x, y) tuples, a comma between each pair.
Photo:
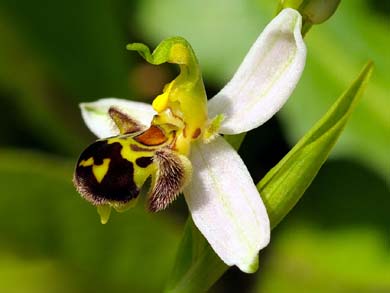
[(170, 179)]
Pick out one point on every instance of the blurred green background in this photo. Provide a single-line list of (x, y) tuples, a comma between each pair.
[(56, 54)]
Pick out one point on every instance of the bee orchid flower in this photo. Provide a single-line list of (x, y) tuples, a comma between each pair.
[(176, 141)]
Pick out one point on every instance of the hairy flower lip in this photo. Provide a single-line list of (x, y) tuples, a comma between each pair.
[(223, 200)]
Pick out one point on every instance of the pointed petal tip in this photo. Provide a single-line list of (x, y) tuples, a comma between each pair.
[(250, 267), (104, 212), (252, 264)]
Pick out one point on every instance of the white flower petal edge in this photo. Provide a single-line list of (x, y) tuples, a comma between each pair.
[(225, 204), (266, 77), (95, 115)]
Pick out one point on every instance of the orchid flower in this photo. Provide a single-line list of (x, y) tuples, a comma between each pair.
[(176, 141)]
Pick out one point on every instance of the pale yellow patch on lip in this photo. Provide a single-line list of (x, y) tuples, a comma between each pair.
[(99, 171), (86, 163)]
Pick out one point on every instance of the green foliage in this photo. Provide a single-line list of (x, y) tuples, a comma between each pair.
[(81, 41), (284, 184), (307, 258), (52, 56), (38, 275)]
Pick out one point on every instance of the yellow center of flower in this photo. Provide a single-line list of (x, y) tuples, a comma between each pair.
[(182, 107)]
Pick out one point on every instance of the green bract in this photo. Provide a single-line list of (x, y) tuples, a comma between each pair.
[(313, 11)]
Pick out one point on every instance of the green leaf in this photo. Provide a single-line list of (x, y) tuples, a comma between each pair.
[(284, 184), (197, 267), (193, 257), (79, 41), (28, 101), (38, 275)]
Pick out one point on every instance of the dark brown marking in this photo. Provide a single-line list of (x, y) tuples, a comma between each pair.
[(117, 185), (125, 123), (151, 137), (196, 133), (143, 162), (137, 148)]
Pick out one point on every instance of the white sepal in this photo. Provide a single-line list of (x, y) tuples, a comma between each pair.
[(266, 77), (226, 206), (95, 115)]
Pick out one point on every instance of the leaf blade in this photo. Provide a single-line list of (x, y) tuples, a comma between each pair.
[(279, 188)]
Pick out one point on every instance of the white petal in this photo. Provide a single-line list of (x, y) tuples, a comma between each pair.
[(95, 115), (266, 77), (226, 206)]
